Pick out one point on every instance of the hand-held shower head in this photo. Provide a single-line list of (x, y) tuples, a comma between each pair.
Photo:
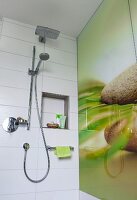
[(43, 57)]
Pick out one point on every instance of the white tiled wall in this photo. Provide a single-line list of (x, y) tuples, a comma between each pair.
[(58, 75)]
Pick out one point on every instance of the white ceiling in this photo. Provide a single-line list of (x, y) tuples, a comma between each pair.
[(68, 16)]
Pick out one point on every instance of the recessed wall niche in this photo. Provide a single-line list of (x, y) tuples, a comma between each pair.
[(53, 104)]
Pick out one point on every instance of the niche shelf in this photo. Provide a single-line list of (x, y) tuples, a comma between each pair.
[(51, 105)]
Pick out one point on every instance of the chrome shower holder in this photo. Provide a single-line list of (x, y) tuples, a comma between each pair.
[(31, 72)]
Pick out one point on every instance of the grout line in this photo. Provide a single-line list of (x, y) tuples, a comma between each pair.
[(5, 170), (17, 194), (40, 169), (54, 113), (16, 54), (32, 127), (13, 106), (25, 107), (52, 129), (58, 190), (64, 65), (9, 69), (16, 70), (29, 26), (59, 169), (60, 79), (48, 191), (56, 77), (18, 23), (11, 87), (72, 66), (17, 147), (47, 76), (18, 169), (37, 44)]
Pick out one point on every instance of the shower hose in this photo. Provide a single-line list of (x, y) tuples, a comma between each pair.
[(44, 140)]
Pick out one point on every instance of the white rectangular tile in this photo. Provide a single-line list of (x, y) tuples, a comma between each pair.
[(60, 71), (14, 182), (18, 138), (58, 195), (63, 44), (19, 32), (19, 47), (59, 86), (60, 137), (48, 118), (10, 78), (56, 163), (52, 105), (28, 34), (8, 111), (14, 62), (16, 97), (15, 79), (59, 179), (68, 37), (34, 119), (61, 57), (73, 104), (5, 19), (12, 158), (18, 197), (73, 121)]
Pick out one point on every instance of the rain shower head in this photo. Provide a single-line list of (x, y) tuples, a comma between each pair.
[(45, 32)]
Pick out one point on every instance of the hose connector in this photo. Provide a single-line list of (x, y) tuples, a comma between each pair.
[(26, 146)]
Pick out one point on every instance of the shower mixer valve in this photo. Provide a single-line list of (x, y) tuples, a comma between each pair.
[(11, 124), (21, 121)]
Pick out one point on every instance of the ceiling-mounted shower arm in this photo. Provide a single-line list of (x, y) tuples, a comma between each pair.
[(45, 32)]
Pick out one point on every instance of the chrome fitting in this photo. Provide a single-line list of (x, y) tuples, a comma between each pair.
[(26, 146)]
